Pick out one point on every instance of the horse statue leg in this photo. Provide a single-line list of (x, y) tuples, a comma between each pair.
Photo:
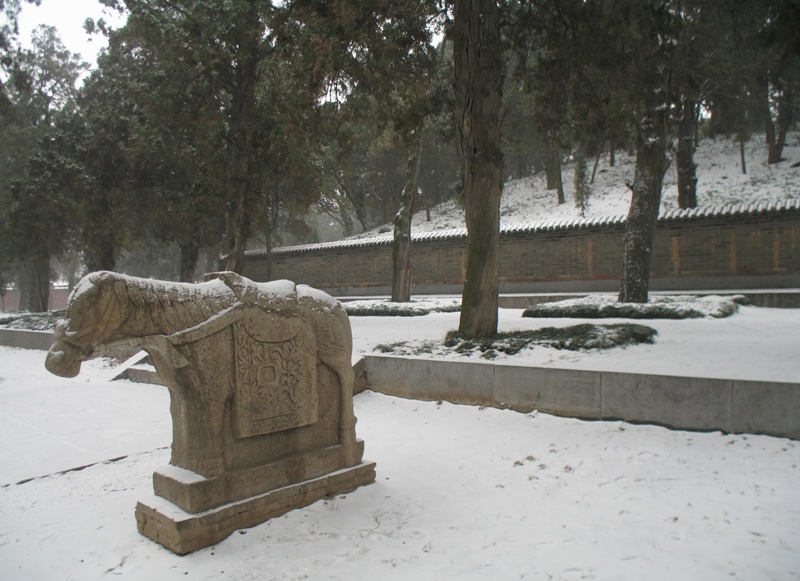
[(334, 348)]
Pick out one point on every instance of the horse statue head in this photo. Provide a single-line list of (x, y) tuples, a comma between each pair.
[(92, 310), (107, 310)]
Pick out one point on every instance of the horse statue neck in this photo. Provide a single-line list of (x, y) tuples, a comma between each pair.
[(151, 307)]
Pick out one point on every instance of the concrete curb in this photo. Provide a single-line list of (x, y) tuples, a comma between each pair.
[(689, 403), (26, 339)]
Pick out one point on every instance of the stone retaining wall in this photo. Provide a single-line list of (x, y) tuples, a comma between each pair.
[(691, 403), (717, 248), (26, 339)]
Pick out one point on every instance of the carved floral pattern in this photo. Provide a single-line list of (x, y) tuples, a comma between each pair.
[(275, 382)]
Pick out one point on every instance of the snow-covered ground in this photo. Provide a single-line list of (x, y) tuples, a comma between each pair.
[(755, 343), (720, 182), (461, 493)]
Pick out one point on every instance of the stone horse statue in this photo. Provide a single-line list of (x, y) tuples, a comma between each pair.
[(260, 379), (108, 310)]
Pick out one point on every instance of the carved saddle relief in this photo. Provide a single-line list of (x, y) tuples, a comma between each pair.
[(275, 380)]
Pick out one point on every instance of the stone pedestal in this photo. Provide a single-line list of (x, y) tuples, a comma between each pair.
[(262, 420), (183, 532)]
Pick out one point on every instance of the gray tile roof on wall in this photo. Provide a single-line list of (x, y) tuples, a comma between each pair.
[(532, 227)]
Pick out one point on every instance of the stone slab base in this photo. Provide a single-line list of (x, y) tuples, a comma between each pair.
[(182, 533), (195, 493)]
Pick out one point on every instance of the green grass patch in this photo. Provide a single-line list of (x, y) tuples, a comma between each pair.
[(389, 347)]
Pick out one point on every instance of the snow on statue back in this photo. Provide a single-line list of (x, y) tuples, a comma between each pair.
[(261, 386)]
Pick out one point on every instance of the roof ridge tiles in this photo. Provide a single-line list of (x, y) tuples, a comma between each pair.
[(549, 225)]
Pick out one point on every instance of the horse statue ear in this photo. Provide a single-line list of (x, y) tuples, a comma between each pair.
[(213, 276), (101, 276), (245, 290)]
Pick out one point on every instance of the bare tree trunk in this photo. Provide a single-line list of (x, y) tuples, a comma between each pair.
[(268, 248), (773, 155), (238, 226), (212, 262), (741, 154), (272, 203), (684, 156), (776, 136), (596, 162), (240, 163), (479, 73), (555, 179), (73, 263), (582, 189), (35, 285), (358, 207), (550, 169), (651, 165), (100, 241), (553, 171), (611, 153), (785, 115), (401, 245), (559, 181), (24, 286), (190, 253)]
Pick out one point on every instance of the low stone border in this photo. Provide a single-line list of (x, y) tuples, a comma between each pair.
[(26, 339), (691, 403)]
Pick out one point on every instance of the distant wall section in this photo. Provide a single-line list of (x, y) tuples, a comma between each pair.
[(736, 247), (58, 299)]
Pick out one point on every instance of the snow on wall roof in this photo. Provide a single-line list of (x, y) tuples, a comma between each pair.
[(532, 227)]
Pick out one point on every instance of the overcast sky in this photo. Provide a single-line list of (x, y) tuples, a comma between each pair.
[(68, 16)]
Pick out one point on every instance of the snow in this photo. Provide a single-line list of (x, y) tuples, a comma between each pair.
[(753, 344), (326, 301), (50, 424), (418, 306), (526, 202), (658, 306), (462, 492)]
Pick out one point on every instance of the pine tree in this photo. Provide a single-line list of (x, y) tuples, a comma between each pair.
[(35, 212), (224, 46)]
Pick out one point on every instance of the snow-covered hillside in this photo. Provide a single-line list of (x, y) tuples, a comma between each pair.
[(720, 182)]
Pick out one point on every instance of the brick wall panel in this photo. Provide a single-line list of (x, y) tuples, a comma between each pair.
[(731, 243)]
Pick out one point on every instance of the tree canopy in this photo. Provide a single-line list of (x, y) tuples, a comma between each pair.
[(210, 127)]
